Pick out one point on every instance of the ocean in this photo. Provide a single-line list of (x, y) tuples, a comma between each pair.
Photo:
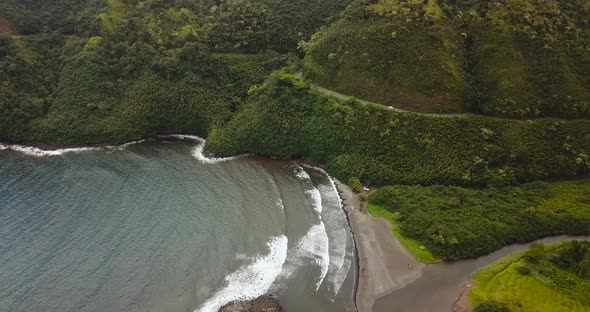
[(157, 226)]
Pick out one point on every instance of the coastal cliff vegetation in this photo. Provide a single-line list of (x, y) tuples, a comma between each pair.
[(244, 74)]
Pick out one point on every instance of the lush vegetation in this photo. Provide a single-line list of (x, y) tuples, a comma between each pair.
[(93, 71), (457, 223), (108, 71), (379, 146), (545, 278), (517, 58), (414, 247)]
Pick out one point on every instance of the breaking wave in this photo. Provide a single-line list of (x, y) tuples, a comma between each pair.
[(339, 265), (39, 152), (315, 244), (253, 280)]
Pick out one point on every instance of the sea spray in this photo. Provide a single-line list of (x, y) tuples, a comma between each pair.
[(253, 280)]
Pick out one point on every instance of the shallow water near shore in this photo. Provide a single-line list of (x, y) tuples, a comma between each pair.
[(154, 226)]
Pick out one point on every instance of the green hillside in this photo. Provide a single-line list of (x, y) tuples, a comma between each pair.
[(287, 119), (544, 278), (92, 71), (507, 58)]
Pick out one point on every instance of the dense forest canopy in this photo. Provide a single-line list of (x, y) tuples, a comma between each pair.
[(94, 71), (457, 223)]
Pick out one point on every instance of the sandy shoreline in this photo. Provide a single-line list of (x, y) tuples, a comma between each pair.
[(386, 284), (382, 261)]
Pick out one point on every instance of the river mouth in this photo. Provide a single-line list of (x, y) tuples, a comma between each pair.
[(153, 226), (440, 285)]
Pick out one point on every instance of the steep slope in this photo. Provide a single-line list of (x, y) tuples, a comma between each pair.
[(510, 58), (531, 58), (380, 146), (404, 53), (96, 71)]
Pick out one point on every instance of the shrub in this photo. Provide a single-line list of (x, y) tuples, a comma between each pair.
[(355, 184), (491, 306)]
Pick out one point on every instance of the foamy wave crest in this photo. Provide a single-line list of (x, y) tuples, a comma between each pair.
[(337, 231), (281, 205), (38, 152), (336, 226), (302, 174), (253, 280), (183, 137), (315, 243), (198, 152)]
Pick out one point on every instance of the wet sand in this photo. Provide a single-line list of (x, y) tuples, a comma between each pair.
[(383, 262)]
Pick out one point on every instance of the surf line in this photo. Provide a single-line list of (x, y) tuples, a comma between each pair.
[(37, 150), (32, 150), (349, 223)]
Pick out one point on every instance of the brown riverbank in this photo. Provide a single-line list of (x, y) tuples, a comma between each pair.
[(383, 262)]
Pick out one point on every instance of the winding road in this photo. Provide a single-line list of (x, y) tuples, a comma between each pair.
[(345, 97)]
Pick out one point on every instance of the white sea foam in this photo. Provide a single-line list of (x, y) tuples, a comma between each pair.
[(315, 244), (253, 280), (317, 199), (183, 137), (38, 152), (198, 151), (281, 205), (336, 227), (302, 174)]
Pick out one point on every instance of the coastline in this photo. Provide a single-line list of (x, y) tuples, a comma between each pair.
[(164, 136), (383, 279), (382, 262), (445, 286)]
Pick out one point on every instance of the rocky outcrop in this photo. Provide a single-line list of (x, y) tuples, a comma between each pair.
[(260, 304)]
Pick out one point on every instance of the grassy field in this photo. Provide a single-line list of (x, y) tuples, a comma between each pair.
[(417, 250), (538, 290)]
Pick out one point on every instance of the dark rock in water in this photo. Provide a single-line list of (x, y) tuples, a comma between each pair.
[(260, 304)]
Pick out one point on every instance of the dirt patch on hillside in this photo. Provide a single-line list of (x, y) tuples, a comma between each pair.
[(7, 27)]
